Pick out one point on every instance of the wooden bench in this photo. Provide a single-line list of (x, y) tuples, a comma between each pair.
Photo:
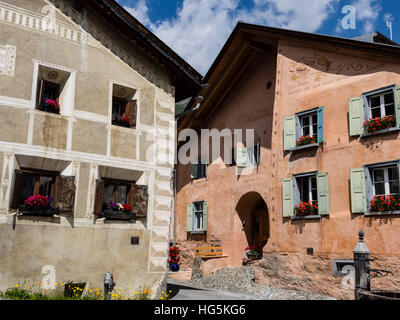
[(211, 251)]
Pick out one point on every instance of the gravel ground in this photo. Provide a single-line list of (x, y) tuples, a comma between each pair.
[(241, 280)]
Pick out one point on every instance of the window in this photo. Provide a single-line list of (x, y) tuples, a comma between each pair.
[(116, 191), (380, 103), (304, 129), (113, 191), (197, 217), (124, 107), (248, 157), (309, 125), (376, 180), (31, 182), (199, 170), (35, 182), (309, 187), (385, 181), (54, 89)]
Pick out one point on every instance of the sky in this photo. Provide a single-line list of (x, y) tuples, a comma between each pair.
[(198, 29)]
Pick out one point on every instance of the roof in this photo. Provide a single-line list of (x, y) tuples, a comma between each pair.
[(234, 56), (184, 77)]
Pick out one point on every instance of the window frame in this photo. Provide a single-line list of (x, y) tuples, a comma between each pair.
[(116, 183), (381, 92), (297, 194), (370, 186), (195, 220)]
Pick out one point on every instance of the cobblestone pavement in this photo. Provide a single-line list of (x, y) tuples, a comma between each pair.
[(239, 282)]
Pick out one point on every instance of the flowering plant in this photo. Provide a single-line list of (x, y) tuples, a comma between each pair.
[(374, 124), (250, 252), (305, 140), (119, 118), (52, 103), (306, 209), (38, 201), (120, 207), (174, 255), (385, 203)]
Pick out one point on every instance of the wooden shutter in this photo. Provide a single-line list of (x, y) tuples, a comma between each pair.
[(356, 116), (205, 215), (287, 197), (241, 157), (17, 189), (320, 117), (369, 187), (358, 191), (289, 133), (131, 194), (140, 199), (131, 112), (63, 193), (397, 104), (194, 171), (323, 194), (189, 218), (99, 197)]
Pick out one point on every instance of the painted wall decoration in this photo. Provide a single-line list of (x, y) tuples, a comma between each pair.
[(7, 60)]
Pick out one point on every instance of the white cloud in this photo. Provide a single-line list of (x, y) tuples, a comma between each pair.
[(367, 13), (201, 27), (140, 12)]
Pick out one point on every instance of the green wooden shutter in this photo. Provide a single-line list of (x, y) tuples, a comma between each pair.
[(194, 171), (205, 214), (356, 116), (320, 116), (189, 215), (397, 104), (289, 133), (287, 197), (358, 191), (241, 157), (323, 194)]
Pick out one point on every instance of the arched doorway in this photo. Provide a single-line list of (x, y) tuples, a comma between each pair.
[(253, 214)]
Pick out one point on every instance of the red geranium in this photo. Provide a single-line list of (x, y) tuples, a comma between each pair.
[(305, 140), (373, 124), (52, 103), (174, 255), (306, 209), (38, 201)]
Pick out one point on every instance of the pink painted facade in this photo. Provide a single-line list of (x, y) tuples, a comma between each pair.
[(304, 75)]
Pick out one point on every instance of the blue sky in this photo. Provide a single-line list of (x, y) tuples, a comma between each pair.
[(197, 29)]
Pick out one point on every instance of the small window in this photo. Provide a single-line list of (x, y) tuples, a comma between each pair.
[(198, 211), (53, 85), (385, 181), (34, 182), (116, 192), (124, 107), (381, 105), (309, 125), (199, 170), (308, 189)]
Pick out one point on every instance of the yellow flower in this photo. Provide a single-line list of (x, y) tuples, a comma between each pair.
[(16, 286)]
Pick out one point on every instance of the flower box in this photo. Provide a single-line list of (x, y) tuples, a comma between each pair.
[(119, 120), (305, 209), (385, 204), (305, 140), (118, 215), (376, 125), (47, 211)]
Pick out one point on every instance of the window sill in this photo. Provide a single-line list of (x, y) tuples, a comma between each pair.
[(366, 135), (382, 213), (197, 232), (308, 146), (314, 217)]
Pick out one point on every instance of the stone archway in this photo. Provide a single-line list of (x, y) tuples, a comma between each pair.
[(253, 214)]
